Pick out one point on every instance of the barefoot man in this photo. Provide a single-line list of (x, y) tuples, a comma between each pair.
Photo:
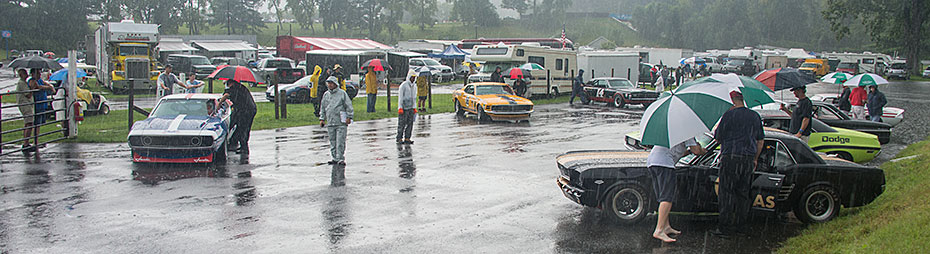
[(661, 164)]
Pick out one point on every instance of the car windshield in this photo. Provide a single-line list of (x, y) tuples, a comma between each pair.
[(489, 67), (200, 61), (133, 51), (174, 107), (703, 140), (278, 64), (737, 62), (846, 66), (619, 83), (220, 61), (898, 66), (709, 59), (431, 62), (493, 89), (809, 65)]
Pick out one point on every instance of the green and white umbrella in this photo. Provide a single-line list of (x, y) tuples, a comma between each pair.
[(532, 66), (866, 79), (836, 77), (695, 107)]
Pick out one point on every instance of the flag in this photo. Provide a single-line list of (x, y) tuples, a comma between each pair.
[(563, 35)]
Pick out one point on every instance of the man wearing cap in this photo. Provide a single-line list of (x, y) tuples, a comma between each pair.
[(166, 80), (740, 135), (801, 117), (336, 114)]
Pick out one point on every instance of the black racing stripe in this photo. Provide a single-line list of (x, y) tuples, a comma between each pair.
[(508, 99), (845, 147)]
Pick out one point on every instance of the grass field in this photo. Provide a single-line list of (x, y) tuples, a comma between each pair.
[(896, 222)]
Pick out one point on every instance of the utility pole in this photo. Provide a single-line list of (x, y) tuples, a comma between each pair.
[(228, 14)]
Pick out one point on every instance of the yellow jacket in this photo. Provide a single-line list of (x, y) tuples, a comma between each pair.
[(371, 83), (314, 80), (422, 86)]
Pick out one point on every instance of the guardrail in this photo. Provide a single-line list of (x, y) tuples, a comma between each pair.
[(61, 124)]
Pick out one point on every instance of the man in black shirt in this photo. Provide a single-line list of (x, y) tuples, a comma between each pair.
[(801, 117), (740, 136), (243, 113), (496, 76)]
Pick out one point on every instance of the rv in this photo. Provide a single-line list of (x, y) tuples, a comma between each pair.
[(561, 66), (868, 62)]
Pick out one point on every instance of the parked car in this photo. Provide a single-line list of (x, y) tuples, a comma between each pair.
[(265, 68), (299, 91), (191, 63), (713, 65), (618, 92), (890, 115), (222, 60), (898, 69), (851, 68), (790, 177), (855, 146), (440, 72), (182, 128), (491, 101), (740, 66)]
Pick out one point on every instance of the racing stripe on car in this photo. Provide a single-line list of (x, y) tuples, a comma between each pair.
[(176, 123), (508, 99)]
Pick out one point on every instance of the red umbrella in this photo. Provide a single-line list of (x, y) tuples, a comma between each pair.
[(783, 78), (516, 73), (237, 73), (378, 64)]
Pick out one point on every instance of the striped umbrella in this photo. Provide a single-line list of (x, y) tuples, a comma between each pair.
[(238, 73), (783, 78), (836, 77), (532, 66), (377, 64), (866, 79), (694, 108)]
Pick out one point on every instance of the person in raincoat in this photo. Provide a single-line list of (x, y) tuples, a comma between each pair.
[(422, 91), (371, 89), (406, 109), (876, 103), (314, 91), (578, 88), (336, 114)]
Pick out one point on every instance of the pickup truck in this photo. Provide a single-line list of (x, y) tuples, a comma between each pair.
[(264, 69), (713, 65)]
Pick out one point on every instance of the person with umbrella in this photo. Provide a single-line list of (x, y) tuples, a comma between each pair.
[(661, 164), (336, 114), (844, 99), (876, 103), (740, 136), (406, 109), (243, 114), (36, 82), (801, 117), (25, 101), (371, 88), (857, 98)]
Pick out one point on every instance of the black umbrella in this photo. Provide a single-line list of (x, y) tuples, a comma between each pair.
[(35, 62)]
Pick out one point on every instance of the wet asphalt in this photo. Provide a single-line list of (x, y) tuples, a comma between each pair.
[(463, 187)]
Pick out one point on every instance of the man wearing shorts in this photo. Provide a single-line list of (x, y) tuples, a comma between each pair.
[(661, 164), (25, 100)]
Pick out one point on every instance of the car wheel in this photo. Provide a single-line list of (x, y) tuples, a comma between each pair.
[(844, 155), (104, 109), (483, 117), (303, 96), (219, 157), (627, 203), (818, 204), (458, 108), (618, 101)]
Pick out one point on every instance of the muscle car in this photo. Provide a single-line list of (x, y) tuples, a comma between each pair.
[(491, 101), (790, 177), (890, 115), (846, 144), (182, 128), (618, 92), (831, 115)]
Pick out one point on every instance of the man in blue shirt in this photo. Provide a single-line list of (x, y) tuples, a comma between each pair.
[(740, 136)]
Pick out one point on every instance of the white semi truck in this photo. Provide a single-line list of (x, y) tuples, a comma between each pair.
[(116, 42)]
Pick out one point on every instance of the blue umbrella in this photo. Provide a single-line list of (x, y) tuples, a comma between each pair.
[(63, 74)]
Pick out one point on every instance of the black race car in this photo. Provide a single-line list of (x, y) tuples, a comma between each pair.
[(790, 177), (831, 115), (618, 92)]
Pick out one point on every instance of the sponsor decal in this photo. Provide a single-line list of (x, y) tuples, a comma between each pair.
[(769, 201), (132, 37), (836, 139)]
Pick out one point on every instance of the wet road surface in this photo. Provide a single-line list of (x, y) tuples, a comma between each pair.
[(463, 187)]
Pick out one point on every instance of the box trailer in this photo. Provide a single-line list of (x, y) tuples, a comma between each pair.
[(597, 64)]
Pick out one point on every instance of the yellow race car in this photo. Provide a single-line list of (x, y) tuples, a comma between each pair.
[(491, 101)]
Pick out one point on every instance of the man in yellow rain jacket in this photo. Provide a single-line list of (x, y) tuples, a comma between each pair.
[(422, 91), (314, 95), (371, 88)]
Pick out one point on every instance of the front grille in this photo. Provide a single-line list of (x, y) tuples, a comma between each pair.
[(171, 141), (446, 71), (650, 95), (204, 71), (574, 177), (511, 108)]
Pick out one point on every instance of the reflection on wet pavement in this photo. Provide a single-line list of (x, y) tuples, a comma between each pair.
[(463, 187)]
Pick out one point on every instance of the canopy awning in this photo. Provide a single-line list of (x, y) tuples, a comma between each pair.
[(217, 46), (340, 43), (174, 46), (451, 52)]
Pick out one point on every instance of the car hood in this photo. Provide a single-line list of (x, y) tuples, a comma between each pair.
[(588, 159), (504, 99), (177, 125)]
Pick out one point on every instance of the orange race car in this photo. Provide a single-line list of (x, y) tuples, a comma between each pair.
[(491, 101)]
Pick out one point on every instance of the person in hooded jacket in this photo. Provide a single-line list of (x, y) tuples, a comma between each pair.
[(578, 88), (336, 114), (314, 91)]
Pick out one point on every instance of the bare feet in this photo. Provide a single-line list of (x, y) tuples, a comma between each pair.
[(662, 236), (671, 231)]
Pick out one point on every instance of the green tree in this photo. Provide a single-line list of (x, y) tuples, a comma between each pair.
[(237, 16), (303, 11), (520, 6), (896, 24), (475, 12), (50, 25), (422, 11), (394, 14)]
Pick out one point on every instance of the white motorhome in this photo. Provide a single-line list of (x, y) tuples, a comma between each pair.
[(868, 62), (561, 65), (670, 57), (599, 64)]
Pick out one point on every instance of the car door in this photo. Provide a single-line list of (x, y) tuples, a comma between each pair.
[(697, 183), (471, 100), (767, 178), (591, 90)]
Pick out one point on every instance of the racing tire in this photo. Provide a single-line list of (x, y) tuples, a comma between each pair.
[(459, 111), (483, 117), (303, 96), (818, 204), (618, 101), (104, 109), (219, 158), (627, 203)]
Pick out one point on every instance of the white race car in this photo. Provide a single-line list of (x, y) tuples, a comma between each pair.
[(890, 115)]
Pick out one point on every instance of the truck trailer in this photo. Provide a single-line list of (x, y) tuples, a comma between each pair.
[(116, 42)]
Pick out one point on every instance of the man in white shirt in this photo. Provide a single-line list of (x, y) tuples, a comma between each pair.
[(661, 164)]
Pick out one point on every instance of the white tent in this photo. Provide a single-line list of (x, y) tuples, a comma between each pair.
[(798, 54)]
